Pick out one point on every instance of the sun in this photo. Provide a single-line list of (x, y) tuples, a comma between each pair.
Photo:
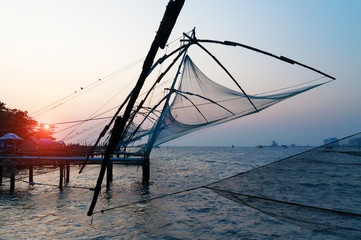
[(46, 126)]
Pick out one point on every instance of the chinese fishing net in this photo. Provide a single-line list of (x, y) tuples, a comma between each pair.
[(199, 103), (319, 189)]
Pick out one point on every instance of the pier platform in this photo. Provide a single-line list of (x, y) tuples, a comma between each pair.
[(11, 165)]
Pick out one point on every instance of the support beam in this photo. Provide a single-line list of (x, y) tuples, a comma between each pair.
[(31, 175), (12, 178), (61, 176), (1, 175), (109, 174), (146, 171), (67, 176), (160, 40)]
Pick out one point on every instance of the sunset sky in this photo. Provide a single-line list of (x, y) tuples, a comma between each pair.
[(56, 49)]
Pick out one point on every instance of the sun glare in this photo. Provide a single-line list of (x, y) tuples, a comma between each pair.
[(46, 126)]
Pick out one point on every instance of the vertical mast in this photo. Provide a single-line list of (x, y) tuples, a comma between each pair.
[(169, 18), (156, 130)]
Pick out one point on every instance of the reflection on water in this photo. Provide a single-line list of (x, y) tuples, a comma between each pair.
[(42, 211)]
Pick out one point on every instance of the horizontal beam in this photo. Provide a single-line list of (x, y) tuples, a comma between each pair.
[(34, 160)]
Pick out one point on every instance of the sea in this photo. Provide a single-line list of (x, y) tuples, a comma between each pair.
[(173, 206)]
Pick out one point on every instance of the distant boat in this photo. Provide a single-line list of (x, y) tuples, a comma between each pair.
[(259, 146)]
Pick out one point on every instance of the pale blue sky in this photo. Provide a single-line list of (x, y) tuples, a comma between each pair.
[(49, 49)]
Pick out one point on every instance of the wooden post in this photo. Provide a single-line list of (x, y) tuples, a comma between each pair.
[(169, 18), (67, 177), (1, 175), (12, 178), (146, 171), (109, 174), (31, 175), (61, 177)]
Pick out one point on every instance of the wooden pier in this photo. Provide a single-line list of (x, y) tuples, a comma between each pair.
[(13, 163)]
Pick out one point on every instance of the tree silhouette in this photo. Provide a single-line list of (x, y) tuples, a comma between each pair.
[(16, 121)]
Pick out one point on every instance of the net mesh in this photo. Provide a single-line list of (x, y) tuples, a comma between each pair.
[(199, 103), (319, 189)]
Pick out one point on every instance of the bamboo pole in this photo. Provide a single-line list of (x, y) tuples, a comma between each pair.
[(153, 137), (166, 26)]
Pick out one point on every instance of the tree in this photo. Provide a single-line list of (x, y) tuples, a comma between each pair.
[(16, 121)]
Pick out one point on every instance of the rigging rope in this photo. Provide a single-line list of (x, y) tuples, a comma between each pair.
[(293, 86), (206, 187), (89, 87), (67, 136), (83, 90), (148, 200)]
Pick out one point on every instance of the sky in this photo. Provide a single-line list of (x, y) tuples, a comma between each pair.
[(52, 49)]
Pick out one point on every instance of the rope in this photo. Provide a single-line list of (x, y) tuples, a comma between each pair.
[(67, 136), (89, 87), (101, 124), (83, 90), (233, 193), (53, 185), (293, 86), (148, 200), (79, 121), (288, 203)]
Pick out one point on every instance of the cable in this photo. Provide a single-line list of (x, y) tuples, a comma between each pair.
[(296, 85), (148, 200), (289, 203), (83, 90), (91, 86), (83, 120)]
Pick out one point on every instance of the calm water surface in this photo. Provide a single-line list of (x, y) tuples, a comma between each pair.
[(45, 212)]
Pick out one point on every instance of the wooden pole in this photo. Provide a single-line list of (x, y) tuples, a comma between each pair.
[(153, 137), (169, 18), (61, 177), (31, 175), (146, 171), (67, 177), (109, 174), (1, 175), (12, 178)]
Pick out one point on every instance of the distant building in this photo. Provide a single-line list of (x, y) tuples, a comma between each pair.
[(331, 142), (274, 144), (356, 142)]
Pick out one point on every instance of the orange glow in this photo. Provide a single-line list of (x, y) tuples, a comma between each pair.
[(46, 126)]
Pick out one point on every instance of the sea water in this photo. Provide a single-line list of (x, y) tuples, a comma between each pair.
[(43, 211)]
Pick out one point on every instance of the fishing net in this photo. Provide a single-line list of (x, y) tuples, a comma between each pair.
[(200, 103), (319, 189)]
